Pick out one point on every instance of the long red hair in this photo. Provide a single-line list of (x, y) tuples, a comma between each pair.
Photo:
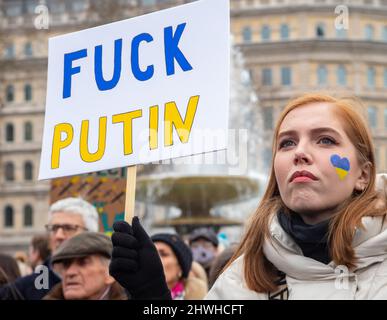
[(260, 275)]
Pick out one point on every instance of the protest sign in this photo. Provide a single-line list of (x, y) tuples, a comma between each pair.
[(145, 89)]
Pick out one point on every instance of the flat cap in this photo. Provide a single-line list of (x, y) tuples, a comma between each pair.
[(82, 245), (204, 233)]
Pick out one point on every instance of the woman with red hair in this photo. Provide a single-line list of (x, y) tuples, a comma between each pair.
[(320, 231)]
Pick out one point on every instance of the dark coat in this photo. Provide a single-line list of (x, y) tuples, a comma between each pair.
[(24, 287)]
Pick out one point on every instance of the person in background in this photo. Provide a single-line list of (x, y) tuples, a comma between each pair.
[(22, 262), (83, 264), (39, 250), (204, 245), (3, 277), (66, 218), (197, 271), (176, 258), (9, 266)]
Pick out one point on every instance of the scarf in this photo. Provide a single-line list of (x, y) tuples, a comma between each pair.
[(312, 239), (177, 291)]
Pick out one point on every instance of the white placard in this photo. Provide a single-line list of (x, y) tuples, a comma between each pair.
[(149, 88)]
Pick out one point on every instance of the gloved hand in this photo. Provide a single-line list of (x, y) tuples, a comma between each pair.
[(136, 264)]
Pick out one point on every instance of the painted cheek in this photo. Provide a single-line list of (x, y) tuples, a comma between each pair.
[(341, 165)]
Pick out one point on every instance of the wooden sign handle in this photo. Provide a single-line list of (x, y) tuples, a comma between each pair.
[(130, 194)]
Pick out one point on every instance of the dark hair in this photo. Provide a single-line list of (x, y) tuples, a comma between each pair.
[(10, 267), (3, 277), (41, 244)]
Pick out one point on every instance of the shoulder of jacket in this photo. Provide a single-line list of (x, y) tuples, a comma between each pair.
[(231, 285), (56, 293), (195, 288)]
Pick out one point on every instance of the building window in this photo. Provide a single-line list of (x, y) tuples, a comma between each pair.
[(27, 92), (377, 156), (9, 171), (246, 76), (266, 77), (30, 6), (322, 75), (320, 30), (57, 6), (265, 33), (247, 34), (9, 51), (267, 158), (371, 77), (148, 2), (286, 76), (268, 118), (284, 30), (28, 49), (373, 117), (8, 217), (28, 213), (28, 171), (341, 76), (79, 5), (12, 8), (10, 93), (341, 33), (369, 32), (9, 132), (28, 136), (384, 36)]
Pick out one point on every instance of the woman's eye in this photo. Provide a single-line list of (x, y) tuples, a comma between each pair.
[(286, 143), (327, 140)]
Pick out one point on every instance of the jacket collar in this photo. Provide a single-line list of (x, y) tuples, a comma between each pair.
[(370, 247)]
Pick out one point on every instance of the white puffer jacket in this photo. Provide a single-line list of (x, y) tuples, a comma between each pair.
[(307, 278)]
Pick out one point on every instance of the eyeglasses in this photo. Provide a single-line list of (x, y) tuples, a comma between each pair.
[(67, 228)]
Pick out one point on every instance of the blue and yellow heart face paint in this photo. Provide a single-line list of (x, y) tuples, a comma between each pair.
[(341, 165)]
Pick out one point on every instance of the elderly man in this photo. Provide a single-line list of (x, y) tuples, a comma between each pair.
[(83, 264), (66, 218)]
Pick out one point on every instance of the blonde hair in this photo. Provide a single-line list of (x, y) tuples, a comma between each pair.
[(259, 273)]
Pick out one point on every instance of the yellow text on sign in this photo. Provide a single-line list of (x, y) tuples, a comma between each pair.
[(172, 119)]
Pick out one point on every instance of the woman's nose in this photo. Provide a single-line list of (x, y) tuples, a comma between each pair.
[(301, 158), (302, 153)]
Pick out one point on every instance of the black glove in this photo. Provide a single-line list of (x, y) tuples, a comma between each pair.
[(136, 264)]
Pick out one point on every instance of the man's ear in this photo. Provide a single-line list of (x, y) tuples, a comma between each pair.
[(109, 279), (364, 177)]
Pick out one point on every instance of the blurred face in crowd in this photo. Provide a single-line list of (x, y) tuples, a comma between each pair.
[(34, 257), (203, 251), (310, 181), (170, 263), (63, 226), (84, 278)]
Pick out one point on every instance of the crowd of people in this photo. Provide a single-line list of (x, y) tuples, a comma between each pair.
[(77, 259), (319, 232)]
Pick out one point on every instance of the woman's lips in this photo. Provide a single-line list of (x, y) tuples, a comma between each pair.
[(302, 179), (302, 176)]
